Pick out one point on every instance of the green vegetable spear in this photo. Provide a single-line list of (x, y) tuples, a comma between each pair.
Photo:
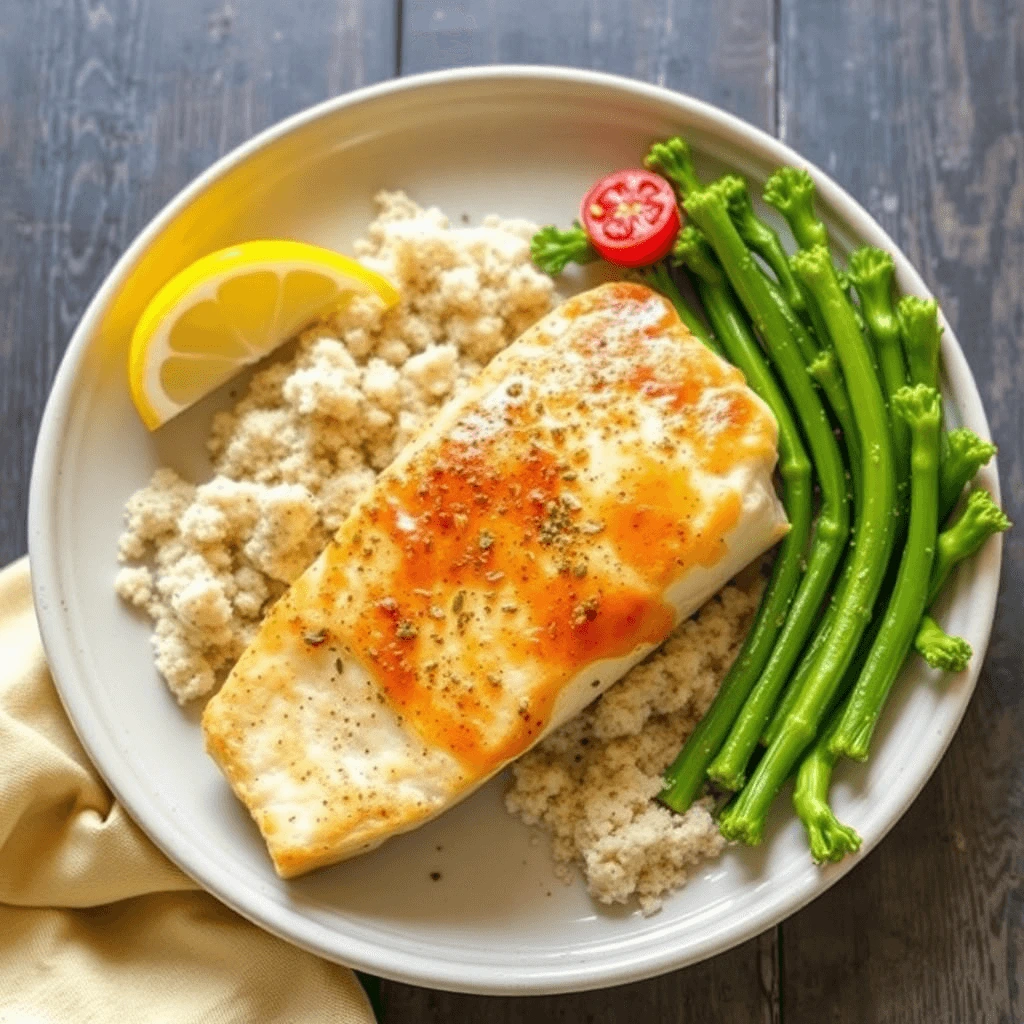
[(921, 408), (871, 272), (764, 240), (829, 839), (873, 537)]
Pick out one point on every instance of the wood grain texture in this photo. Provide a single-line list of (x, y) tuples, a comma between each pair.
[(724, 53), (107, 109), (916, 108)]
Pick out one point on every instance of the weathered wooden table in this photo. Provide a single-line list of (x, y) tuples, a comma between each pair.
[(108, 107)]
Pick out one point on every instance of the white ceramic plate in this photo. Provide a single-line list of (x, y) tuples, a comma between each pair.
[(517, 141)]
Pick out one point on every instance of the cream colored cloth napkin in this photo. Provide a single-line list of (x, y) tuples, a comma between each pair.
[(96, 925)]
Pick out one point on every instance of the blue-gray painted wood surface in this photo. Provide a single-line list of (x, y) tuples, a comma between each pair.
[(108, 107)]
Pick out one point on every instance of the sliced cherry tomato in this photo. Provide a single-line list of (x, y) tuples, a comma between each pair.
[(631, 217)]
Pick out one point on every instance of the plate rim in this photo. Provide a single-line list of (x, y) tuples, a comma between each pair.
[(422, 968)]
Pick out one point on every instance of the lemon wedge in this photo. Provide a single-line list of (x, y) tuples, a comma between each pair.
[(231, 308)]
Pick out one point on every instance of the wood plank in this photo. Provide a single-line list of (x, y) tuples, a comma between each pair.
[(916, 108), (107, 110), (723, 54)]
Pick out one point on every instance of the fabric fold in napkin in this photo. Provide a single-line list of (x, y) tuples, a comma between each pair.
[(96, 925)]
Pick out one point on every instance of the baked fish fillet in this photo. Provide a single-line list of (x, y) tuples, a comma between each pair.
[(602, 478)]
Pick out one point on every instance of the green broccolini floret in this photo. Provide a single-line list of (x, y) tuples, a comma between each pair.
[(829, 839), (791, 191), (673, 160), (919, 326), (874, 531), (871, 272), (980, 519), (965, 454), (553, 249), (692, 251), (686, 776), (941, 651), (762, 239), (921, 408)]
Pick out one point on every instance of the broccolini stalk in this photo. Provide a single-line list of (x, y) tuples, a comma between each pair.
[(872, 272), (756, 722), (921, 407), (791, 191), (553, 249), (686, 775), (762, 239), (658, 277), (871, 546), (919, 325), (824, 371), (980, 519), (965, 454), (829, 839), (824, 368), (942, 651), (799, 678), (673, 160)]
